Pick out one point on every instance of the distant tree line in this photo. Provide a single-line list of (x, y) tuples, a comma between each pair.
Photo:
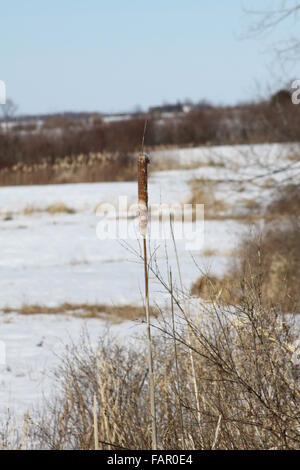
[(273, 120)]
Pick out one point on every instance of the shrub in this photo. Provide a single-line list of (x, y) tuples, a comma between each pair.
[(246, 374)]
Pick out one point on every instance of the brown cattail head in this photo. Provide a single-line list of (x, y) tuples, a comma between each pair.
[(143, 162)]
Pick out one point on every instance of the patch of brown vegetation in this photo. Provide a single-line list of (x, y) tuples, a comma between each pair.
[(246, 377), (55, 208), (60, 208), (203, 193), (8, 217), (209, 252), (269, 183), (166, 164), (294, 157), (213, 289), (251, 204), (102, 311), (90, 168), (275, 263), (286, 203), (269, 263)]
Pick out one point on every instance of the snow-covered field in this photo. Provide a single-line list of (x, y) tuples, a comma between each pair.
[(48, 258)]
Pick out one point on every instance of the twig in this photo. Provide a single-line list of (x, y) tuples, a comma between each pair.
[(176, 361), (196, 390)]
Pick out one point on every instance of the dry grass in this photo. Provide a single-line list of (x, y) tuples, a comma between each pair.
[(286, 203), (55, 208), (245, 357), (90, 168), (275, 264), (210, 252), (102, 311), (8, 216), (270, 260), (251, 204), (269, 183), (246, 372), (246, 375), (294, 157), (60, 208), (214, 289), (168, 164), (203, 192)]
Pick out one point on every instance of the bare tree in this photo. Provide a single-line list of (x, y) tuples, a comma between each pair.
[(268, 19), (9, 110), (280, 18)]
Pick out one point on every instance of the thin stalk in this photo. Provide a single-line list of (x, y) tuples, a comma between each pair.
[(176, 362), (96, 439), (195, 384), (143, 162), (217, 433), (150, 356)]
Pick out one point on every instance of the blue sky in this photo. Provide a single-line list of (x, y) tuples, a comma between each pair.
[(112, 55)]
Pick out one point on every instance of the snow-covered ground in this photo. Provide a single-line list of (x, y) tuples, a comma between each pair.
[(48, 259)]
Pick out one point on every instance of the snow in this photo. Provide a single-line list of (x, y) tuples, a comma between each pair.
[(34, 345), (49, 259), (238, 154)]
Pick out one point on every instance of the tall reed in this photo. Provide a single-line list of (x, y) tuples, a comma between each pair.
[(143, 162)]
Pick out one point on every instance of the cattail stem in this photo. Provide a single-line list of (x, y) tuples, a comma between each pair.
[(150, 356), (143, 162)]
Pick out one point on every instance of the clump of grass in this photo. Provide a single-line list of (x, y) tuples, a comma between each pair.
[(251, 204), (60, 208), (211, 288), (203, 193), (211, 252), (275, 264), (55, 208), (8, 217), (286, 203)]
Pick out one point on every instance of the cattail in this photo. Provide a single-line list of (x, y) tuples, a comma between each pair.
[(143, 162)]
